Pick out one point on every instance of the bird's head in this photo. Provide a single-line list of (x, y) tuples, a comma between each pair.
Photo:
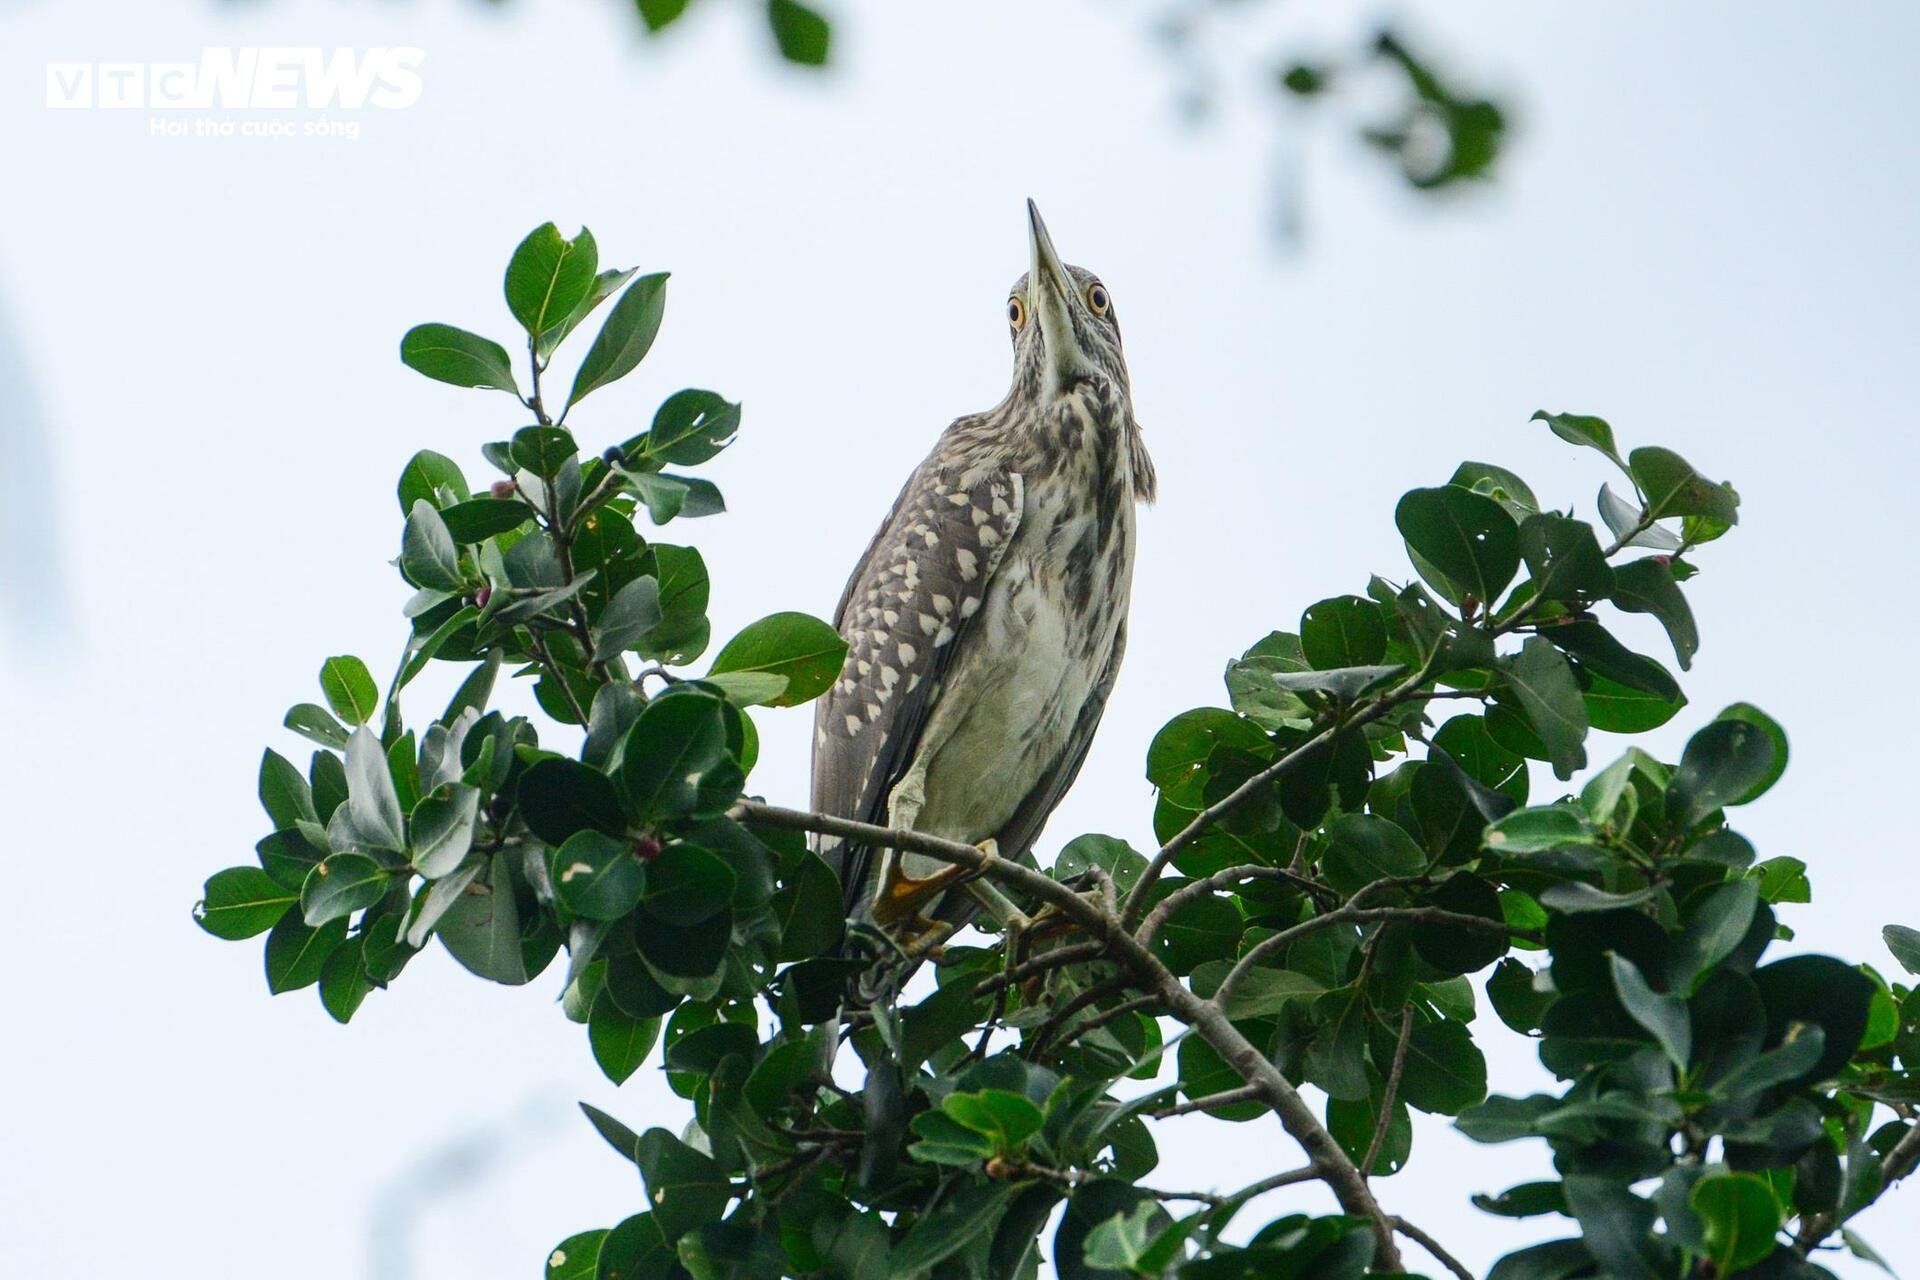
[(1064, 328)]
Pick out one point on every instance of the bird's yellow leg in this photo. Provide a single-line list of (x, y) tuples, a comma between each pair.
[(899, 897)]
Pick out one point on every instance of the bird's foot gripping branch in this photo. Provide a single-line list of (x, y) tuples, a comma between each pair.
[(1347, 849)]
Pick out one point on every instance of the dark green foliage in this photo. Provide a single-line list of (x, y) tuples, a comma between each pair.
[(1369, 839)]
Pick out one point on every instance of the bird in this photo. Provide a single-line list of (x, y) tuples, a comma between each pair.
[(986, 622)]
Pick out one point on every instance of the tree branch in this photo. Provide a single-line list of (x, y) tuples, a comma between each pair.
[(1204, 1016), (990, 865)]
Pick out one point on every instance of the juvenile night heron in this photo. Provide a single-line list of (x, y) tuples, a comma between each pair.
[(986, 622)]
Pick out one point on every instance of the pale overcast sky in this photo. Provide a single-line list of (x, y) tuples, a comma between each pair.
[(1705, 232)]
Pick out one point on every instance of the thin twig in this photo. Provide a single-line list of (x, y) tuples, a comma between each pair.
[(1385, 1121), (1432, 1246), (1104, 1017), (1351, 914), (1219, 880), (1277, 1181), (1045, 962), (1406, 691), (1225, 1098), (1058, 1018)]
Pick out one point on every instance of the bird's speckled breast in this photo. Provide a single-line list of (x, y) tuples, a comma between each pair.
[(1048, 627)]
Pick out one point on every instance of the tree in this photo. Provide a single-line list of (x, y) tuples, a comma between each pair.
[(1343, 845)]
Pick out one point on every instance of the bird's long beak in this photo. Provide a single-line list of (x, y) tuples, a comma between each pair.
[(1053, 302)]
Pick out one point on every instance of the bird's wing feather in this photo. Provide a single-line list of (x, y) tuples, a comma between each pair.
[(905, 614)]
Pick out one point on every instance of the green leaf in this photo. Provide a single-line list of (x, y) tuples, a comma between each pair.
[(296, 954), (803, 35), (577, 1257), (1722, 765), (1647, 586), (636, 1250), (441, 830), (633, 611), (350, 690), (1468, 538), (658, 13), (478, 519), (940, 1139), (1120, 860), (559, 797), (284, 792), (685, 1187), (1629, 525), (669, 751), (427, 553), (1783, 879), (597, 875), (549, 277), (1719, 925), (620, 1043), (481, 927), (1092, 1204), (431, 477), (1825, 992), (1344, 631), (543, 450), (241, 902), (605, 285), (447, 354), (371, 816), (1008, 1119), (1500, 484), (1453, 949), (1750, 714), (1544, 685), (1904, 943), (808, 652), (951, 1226), (692, 426), (1664, 1017), (747, 688), (1673, 488), (316, 725), (1564, 559), (341, 885), (1741, 1216), (1524, 1200), (1362, 848), (808, 909), (686, 885), (1538, 830), (1122, 1241), (1576, 428), (623, 341), (1445, 1071), (1515, 998), (344, 981)]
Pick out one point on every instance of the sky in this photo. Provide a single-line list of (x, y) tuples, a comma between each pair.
[(1704, 232)]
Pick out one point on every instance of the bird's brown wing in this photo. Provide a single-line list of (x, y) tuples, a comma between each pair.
[(906, 613)]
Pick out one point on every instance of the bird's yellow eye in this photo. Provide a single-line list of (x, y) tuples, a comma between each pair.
[(1017, 311), (1097, 299)]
